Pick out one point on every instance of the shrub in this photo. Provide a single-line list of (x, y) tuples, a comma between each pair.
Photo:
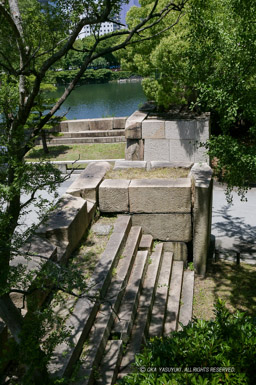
[(227, 341)]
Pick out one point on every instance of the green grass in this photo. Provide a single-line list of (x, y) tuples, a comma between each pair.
[(79, 152)]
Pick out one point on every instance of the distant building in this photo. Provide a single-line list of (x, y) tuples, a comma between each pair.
[(108, 27)]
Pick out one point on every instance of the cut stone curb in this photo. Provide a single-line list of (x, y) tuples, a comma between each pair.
[(160, 303), (110, 363), (124, 164), (158, 164), (99, 335), (84, 313), (34, 254), (67, 224), (87, 183), (140, 329), (127, 311), (186, 308), (173, 304)]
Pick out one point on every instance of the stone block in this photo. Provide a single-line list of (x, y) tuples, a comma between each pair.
[(113, 195), (124, 164), (160, 303), (173, 304), (101, 124), (133, 125), (110, 362), (133, 130), (146, 242), (156, 149), (119, 123), (165, 227), (66, 224), (87, 183), (186, 308), (182, 151), (78, 125), (160, 195), (157, 164), (179, 250), (153, 129), (63, 126), (134, 149), (89, 190), (202, 214), (180, 129)]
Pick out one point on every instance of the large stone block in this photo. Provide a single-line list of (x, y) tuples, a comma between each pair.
[(67, 224), (180, 129), (153, 129), (119, 123), (133, 125), (87, 183), (113, 195), (156, 149), (160, 195), (101, 124), (78, 125), (182, 151), (201, 175), (165, 227), (134, 149)]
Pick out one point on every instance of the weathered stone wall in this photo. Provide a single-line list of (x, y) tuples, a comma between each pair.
[(151, 138), (92, 124), (177, 211)]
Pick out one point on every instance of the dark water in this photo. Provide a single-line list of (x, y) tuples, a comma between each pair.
[(102, 100)]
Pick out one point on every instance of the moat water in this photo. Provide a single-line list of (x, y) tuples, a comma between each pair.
[(102, 100)]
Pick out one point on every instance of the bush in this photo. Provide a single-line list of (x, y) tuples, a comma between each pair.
[(227, 341)]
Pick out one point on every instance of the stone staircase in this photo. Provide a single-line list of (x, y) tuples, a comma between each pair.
[(93, 136), (140, 293)]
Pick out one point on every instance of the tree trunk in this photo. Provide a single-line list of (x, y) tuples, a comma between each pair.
[(45, 147)]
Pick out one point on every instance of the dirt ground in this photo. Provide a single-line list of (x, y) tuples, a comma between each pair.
[(235, 284)]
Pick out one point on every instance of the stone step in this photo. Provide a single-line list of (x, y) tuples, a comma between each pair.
[(173, 304), (125, 319), (95, 345), (89, 134), (85, 310), (160, 304), (107, 139), (186, 308), (110, 363), (146, 242), (140, 328)]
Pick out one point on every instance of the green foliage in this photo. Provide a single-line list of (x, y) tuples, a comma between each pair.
[(207, 61), (227, 341)]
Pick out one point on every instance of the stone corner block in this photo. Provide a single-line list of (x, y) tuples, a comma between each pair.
[(113, 195), (153, 129), (134, 149), (66, 224)]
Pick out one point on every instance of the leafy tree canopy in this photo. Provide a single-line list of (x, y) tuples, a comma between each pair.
[(207, 61)]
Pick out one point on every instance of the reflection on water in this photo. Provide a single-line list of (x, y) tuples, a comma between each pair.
[(102, 100)]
